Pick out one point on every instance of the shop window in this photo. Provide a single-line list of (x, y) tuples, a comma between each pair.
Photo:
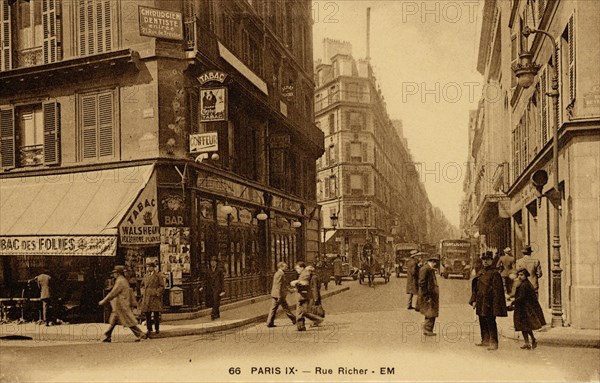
[(97, 126), (29, 135), (95, 34)]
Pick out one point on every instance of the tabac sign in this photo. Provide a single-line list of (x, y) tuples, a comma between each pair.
[(140, 226), (212, 75), (160, 23)]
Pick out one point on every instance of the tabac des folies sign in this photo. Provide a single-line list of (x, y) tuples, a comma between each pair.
[(60, 245), (140, 226), (160, 23)]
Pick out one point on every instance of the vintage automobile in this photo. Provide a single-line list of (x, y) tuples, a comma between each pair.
[(402, 253)]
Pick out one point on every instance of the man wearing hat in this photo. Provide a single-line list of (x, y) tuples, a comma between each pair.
[(487, 297), (429, 295), (506, 265), (412, 278), (532, 265), (120, 301), (215, 283), (152, 289)]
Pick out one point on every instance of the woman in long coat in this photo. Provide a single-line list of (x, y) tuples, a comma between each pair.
[(120, 298), (528, 312)]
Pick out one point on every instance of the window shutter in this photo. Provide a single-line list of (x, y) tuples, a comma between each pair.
[(366, 185), (348, 151), (106, 32), (347, 186), (52, 31), (89, 127), (106, 124), (365, 152), (544, 105), (327, 189), (571, 59), (5, 40), (7, 137), (51, 112), (193, 100)]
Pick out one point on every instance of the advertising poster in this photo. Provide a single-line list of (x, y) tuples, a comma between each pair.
[(213, 104), (175, 251)]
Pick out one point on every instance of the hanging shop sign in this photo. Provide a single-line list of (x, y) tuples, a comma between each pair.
[(279, 141), (172, 209), (160, 23), (140, 226), (287, 92), (213, 104), (212, 75), (60, 245), (204, 142)]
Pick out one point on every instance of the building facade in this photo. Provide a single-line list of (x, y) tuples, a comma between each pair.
[(366, 177), (523, 128), (158, 130)]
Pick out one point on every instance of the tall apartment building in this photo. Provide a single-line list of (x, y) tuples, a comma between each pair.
[(366, 177), (520, 124), (171, 131)]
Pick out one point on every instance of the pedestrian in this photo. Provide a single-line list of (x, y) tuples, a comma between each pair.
[(369, 263), (528, 314), (412, 278), (314, 298), (303, 295), (506, 265), (278, 295), (487, 297), (337, 270), (429, 295), (152, 289), (215, 282), (43, 281), (532, 265), (121, 299)]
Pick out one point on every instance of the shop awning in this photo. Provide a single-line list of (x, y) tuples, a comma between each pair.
[(493, 207), (329, 234), (89, 203)]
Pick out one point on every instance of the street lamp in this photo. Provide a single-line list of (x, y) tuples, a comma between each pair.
[(525, 70), (334, 222)]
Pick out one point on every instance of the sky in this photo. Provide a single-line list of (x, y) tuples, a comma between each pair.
[(424, 55)]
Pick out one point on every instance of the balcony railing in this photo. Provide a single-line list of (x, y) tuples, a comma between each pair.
[(341, 95), (30, 57), (31, 155)]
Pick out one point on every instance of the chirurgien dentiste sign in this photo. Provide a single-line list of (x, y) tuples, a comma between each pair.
[(160, 23)]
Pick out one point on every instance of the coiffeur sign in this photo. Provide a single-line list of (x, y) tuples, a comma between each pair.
[(140, 226), (64, 245)]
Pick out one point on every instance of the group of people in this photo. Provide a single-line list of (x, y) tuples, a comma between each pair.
[(122, 298), (308, 294), (500, 279)]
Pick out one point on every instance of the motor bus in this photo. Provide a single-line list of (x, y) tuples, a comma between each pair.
[(402, 253), (455, 258)]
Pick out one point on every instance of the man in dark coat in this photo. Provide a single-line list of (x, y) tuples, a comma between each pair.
[(412, 278), (152, 288), (487, 297), (337, 270), (369, 263), (215, 281), (429, 296)]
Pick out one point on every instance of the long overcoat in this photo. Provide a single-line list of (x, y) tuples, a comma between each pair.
[(215, 284), (153, 286), (337, 267), (120, 302), (487, 291), (412, 276), (429, 293), (528, 314)]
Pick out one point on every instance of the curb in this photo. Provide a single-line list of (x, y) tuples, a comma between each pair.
[(577, 341), (48, 333)]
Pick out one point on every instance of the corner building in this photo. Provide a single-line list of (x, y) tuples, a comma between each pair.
[(155, 130)]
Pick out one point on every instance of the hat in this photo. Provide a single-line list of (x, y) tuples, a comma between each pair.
[(487, 255), (527, 250), (120, 269), (151, 263), (414, 252), (507, 250), (524, 271), (433, 258)]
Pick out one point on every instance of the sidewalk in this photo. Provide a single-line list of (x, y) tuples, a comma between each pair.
[(233, 315), (558, 336)]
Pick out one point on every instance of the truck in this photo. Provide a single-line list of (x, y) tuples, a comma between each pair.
[(402, 253), (456, 258)]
